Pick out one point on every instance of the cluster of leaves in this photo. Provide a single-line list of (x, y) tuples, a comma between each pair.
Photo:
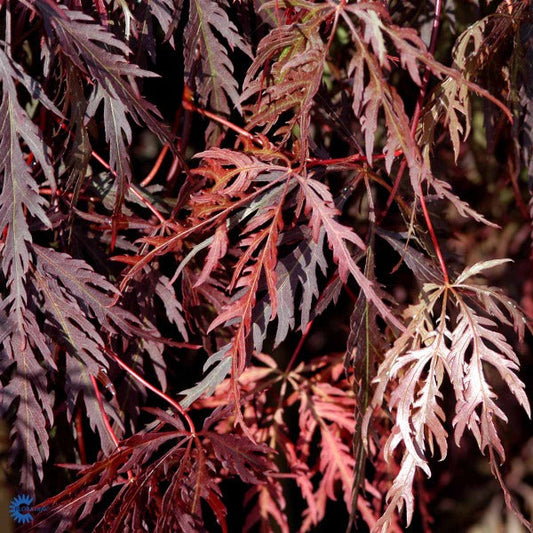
[(157, 327)]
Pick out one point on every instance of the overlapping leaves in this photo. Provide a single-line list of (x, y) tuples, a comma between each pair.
[(87, 46), (208, 65), (181, 467), (294, 59), (20, 202), (458, 347), (249, 237), (319, 461)]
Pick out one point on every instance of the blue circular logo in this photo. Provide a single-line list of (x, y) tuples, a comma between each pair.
[(20, 508)]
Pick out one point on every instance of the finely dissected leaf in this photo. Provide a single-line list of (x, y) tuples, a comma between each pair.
[(269, 508), (192, 479), (241, 456), (221, 365), (473, 392), (476, 269), (377, 93), (313, 258), (173, 307), (118, 135), (233, 174), (86, 45), (233, 258), (435, 346), (181, 468), (72, 293), (19, 189), (327, 410), (217, 250), (23, 342), (64, 310), (364, 349), (419, 356), (295, 58), (320, 204), (443, 190), (84, 348), (450, 100), (423, 268), (242, 309), (293, 271), (92, 291), (318, 458), (84, 42), (419, 420), (28, 389), (207, 64), (166, 12)]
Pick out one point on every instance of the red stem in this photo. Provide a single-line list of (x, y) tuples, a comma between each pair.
[(155, 390), (300, 345), (163, 153), (156, 167), (106, 165), (418, 107), (106, 419), (132, 189), (189, 106), (354, 158), (103, 413), (414, 123), (433, 236), (302, 340), (79, 437)]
